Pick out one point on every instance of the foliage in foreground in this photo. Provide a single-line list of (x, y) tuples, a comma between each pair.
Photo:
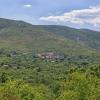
[(23, 77), (17, 90), (76, 85)]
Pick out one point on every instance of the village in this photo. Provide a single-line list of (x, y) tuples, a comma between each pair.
[(51, 56)]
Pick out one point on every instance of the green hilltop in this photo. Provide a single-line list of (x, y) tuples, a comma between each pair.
[(22, 36)]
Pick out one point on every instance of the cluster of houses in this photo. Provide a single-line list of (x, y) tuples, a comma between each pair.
[(51, 56)]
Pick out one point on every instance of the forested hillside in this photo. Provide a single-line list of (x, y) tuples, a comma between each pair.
[(86, 36), (48, 62), (26, 37)]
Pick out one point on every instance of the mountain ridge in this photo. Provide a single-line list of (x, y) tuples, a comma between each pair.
[(23, 36)]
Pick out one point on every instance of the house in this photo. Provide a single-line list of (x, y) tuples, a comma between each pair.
[(51, 56)]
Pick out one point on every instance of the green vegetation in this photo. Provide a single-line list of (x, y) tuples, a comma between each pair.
[(18, 35), (26, 76)]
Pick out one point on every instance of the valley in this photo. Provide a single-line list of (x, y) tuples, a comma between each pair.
[(48, 62)]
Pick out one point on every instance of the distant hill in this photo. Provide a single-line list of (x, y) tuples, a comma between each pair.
[(19, 35), (88, 37)]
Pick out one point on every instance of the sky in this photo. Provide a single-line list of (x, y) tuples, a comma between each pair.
[(73, 13)]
